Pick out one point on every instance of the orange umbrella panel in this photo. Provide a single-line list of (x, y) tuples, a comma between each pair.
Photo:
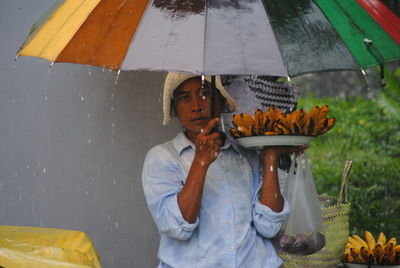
[(104, 38)]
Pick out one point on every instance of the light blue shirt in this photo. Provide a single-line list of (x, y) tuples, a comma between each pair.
[(232, 229)]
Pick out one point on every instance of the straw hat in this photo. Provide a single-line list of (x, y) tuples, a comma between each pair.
[(174, 80)]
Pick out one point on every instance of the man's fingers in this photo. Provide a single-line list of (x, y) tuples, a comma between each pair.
[(210, 125), (214, 136)]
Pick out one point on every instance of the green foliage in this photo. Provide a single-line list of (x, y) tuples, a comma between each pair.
[(367, 131)]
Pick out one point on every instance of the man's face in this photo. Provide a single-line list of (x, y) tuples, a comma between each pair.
[(192, 104)]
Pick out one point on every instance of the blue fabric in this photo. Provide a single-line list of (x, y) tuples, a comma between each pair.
[(232, 228)]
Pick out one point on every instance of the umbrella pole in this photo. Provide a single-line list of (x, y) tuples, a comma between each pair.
[(213, 100), (213, 96)]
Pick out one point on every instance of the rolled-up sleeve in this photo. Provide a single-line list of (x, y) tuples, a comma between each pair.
[(268, 222), (161, 184)]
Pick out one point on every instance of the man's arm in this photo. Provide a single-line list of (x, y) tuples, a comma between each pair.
[(207, 149), (270, 194), (270, 209)]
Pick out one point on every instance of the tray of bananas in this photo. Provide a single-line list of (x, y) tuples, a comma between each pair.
[(370, 252), (273, 127)]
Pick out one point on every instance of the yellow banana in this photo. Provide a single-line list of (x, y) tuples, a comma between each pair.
[(378, 253), (248, 120), (267, 133), (295, 128), (360, 241), (390, 245), (235, 133), (323, 111), (330, 124), (381, 240), (260, 119), (370, 240), (281, 129), (312, 114), (245, 131), (356, 245), (308, 127)]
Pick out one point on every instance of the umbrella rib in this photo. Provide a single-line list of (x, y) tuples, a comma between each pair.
[(107, 32), (204, 37), (377, 57), (52, 38)]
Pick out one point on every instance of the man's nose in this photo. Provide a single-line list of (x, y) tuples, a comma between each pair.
[(198, 104)]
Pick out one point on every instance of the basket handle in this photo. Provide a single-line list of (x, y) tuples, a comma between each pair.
[(344, 183)]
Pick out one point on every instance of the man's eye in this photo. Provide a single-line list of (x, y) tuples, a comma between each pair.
[(184, 97)]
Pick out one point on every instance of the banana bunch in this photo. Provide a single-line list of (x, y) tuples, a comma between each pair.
[(276, 122), (369, 251)]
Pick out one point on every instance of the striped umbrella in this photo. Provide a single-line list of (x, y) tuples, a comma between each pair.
[(265, 37)]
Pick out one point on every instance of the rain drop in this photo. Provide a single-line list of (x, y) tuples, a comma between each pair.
[(86, 192), (44, 170), (271, 168), (112, 108), (13, 101), (45, 97), (89, 141), (114, 182), (108, 217), (116, 224), (201, 130), (15, 174), (88, 115), (276, 196), (89, 71), (34, 174), (112, 96), (117, 77), (82, 98), (216, 154), (202, 163)]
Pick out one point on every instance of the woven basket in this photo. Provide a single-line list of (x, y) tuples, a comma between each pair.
[(336, 221)]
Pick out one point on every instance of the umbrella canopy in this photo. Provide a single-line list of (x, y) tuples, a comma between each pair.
[(270, 37)]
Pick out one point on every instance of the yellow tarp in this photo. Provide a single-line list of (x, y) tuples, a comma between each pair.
[(22, 247)]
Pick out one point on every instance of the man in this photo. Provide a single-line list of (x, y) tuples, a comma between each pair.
[(215, 204)]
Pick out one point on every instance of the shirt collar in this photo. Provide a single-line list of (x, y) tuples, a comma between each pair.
[(181, 142)]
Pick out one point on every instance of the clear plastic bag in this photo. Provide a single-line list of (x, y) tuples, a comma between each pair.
[(303, 231)]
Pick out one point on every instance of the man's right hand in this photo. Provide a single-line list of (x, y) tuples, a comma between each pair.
[(208, 144)]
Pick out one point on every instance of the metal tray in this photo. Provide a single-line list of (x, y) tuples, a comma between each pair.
[(274, 140)]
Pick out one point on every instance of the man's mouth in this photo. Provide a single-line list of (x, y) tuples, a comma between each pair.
[(199, 119)]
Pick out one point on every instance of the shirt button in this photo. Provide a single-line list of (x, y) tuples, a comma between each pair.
[(231, 248)]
